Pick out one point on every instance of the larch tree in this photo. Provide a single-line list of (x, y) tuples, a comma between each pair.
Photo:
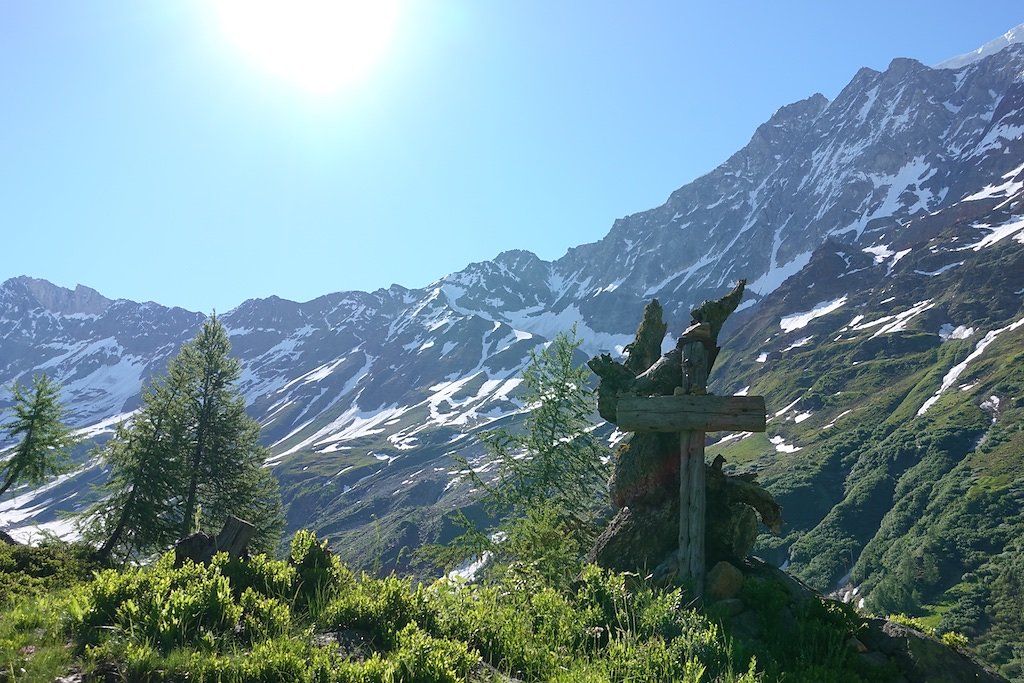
[(136, 515), (189, 458), (43, 450), (551, 472)]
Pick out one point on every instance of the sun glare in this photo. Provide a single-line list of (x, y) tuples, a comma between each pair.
[(318, 45)]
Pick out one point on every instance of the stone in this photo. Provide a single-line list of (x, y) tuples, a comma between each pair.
[(201, 547), (875, 660), (747, 624), (724, 581), (730, 607), (731, 529), (197, 547), (920, 658), (857, 646)]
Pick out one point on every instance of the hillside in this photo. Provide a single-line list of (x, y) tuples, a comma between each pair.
[(882, 235)]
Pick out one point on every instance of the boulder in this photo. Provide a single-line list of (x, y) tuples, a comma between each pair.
[(723, 582)]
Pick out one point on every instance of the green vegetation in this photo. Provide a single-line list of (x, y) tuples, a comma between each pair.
[(540, 613), (187, 460), (922, 513), (550, 474), (42, 451), (309, 618)]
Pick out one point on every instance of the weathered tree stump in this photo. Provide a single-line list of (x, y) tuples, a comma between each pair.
[(201, 547), (655, 470)]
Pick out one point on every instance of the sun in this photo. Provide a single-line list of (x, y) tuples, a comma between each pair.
[(318, 45)]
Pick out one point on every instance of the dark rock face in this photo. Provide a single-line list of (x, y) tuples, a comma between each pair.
[(881, 645), (919, 657), (724, 581), (198, 548), (645, 471)]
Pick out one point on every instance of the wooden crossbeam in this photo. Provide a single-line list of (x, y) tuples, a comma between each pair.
[(697, 413)]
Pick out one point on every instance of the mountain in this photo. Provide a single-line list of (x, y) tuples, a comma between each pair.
[(882, 234)]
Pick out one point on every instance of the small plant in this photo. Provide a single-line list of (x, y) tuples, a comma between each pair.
[(953, 639)]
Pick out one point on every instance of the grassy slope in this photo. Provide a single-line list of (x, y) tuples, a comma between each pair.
[(922, 513), (311, 619)]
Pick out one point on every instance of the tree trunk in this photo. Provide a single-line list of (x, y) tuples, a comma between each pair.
[(103, 553), (11, 478)]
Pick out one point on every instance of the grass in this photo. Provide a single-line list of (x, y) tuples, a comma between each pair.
[(742, 451), (309, 618)]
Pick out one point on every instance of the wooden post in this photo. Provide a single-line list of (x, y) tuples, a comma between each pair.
[(692, 496)]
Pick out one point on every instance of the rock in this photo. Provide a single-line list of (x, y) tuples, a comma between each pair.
[(201, 547), (729, 608), (724, 581), (645, 470), (198, 547), (798, 590), (875, 660), (731, 529), (857, 646), (921, 658), (72, 676), (747, 624), (351, 644)]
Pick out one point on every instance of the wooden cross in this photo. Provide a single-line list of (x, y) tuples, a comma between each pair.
[(692, 412)]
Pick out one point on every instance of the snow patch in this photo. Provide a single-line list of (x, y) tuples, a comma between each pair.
[(940, 271), (897, 322), (955, 372), (799, 320), (1006, 189), (837, 418), (947, 332), (1014, 35), (996, 234), (781, 446), (991, 406), (802, 341), (776, 275)]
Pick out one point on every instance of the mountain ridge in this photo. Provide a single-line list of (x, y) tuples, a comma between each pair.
[(882, 233)]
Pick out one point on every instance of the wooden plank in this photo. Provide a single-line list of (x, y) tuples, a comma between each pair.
[(704, 413), (684, 501)]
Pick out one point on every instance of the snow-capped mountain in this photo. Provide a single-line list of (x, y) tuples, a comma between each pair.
[(886, 221), (892, 147)]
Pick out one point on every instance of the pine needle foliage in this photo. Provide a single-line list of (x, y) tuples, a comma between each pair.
[(551, 472), (555, 458), (45, 441), (188, 459)]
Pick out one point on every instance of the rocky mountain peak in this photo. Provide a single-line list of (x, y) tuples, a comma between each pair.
[(37, 293)]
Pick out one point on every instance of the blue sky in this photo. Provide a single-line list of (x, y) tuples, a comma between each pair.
[(144, 155)]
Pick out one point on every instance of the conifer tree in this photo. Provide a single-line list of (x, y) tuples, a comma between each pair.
[(189, 458), (43, 450), (555, 460), (136, 514), (551, 472)]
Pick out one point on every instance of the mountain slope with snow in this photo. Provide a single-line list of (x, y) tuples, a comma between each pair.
[(881, 235)]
